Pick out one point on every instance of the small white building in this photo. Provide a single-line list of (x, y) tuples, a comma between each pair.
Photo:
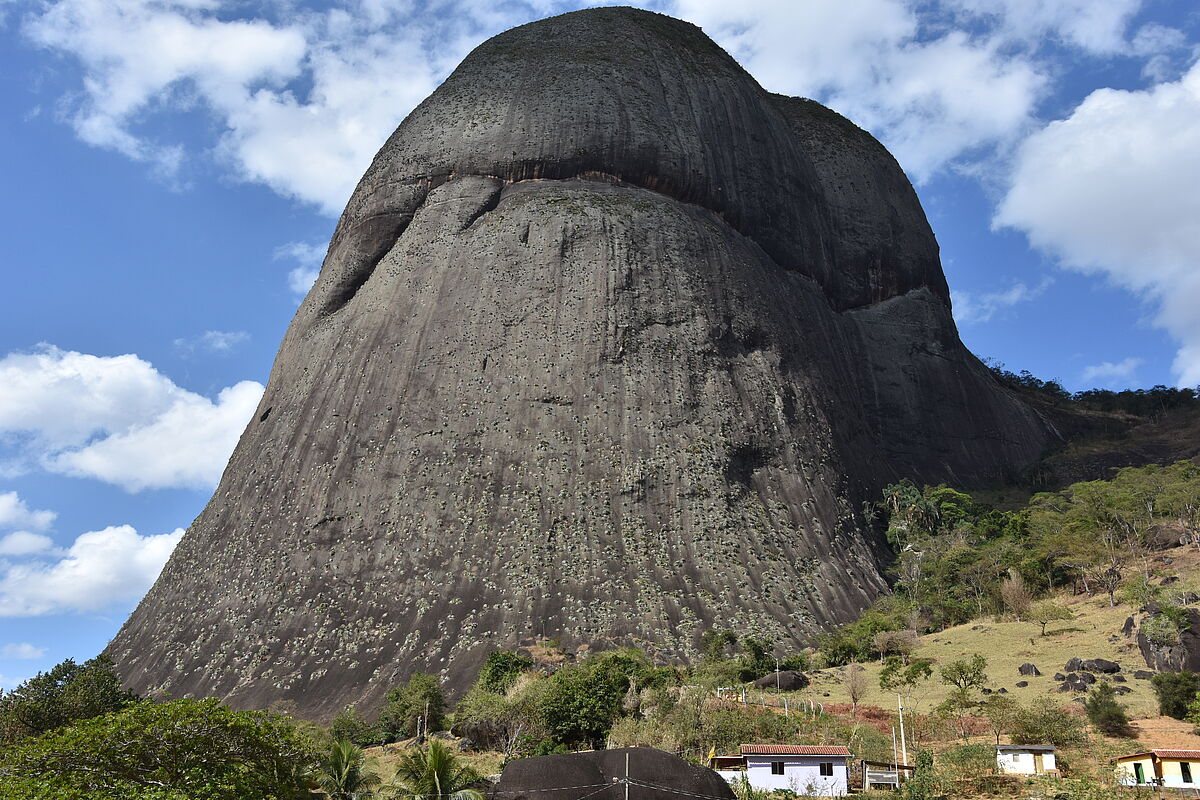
[(1025, 759), (815, 770)]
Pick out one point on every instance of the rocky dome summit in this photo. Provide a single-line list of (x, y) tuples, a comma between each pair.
[(610, 346)]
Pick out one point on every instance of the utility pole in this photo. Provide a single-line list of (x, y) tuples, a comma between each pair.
[(903, 744), (626, 775), (776, 673)]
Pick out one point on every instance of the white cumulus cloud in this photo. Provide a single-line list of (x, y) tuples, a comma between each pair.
[(21, 651), (303, 98), (101, 570), (932, 95), (1112, 190), (24, 543), (15, 513), (117, 419), (303, 103)]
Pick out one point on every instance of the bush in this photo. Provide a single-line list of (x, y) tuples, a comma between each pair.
[(1176, 691), (501, 671), (969, 760), (1043, 722), (351, 726), (582, 701), (420, 702), (177, 750), (1105, 712)]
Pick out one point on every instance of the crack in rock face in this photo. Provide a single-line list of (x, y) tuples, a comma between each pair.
[(610, 346)]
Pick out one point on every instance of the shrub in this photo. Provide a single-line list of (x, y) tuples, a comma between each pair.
[(351, 726), (969, 760), (1176, 691), (418, 702), (1043, 722), (1105, 712), (193, 749), (501, 671)]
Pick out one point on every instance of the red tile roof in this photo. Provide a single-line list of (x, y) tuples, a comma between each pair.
[(793, 750), (1177, 753), (1185, 754)]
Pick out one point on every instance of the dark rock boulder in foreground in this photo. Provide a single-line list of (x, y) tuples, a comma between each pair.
[(652, 775), (610, 345)]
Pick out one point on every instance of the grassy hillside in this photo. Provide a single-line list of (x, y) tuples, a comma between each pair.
[(1094, 633)]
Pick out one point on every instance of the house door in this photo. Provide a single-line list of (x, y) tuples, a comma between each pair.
[(1039, 764), (1139, 775)]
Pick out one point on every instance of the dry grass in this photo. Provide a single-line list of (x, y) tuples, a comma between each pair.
[(1094, 633), (386, 759)]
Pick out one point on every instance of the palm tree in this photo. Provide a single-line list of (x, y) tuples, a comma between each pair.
[(343, 773), (434, 773)]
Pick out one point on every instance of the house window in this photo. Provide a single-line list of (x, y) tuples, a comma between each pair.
[(776, 767), (827, 769), (1185, 771)]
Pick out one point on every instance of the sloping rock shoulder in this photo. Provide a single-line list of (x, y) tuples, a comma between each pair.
[(610, 345)]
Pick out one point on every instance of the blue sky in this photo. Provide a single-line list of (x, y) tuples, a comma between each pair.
[(173, 169)]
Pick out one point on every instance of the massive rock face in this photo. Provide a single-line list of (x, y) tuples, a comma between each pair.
[(610, 345)]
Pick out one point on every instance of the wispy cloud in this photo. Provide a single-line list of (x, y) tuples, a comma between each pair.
[(213, 341), (975, 307), (308, 257), (21, 651), (1110, 374)]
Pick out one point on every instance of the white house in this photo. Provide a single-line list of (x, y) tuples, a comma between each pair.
[(816, 770), (1025, 759)]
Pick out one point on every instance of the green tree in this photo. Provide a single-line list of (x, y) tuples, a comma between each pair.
[(420, 703), (434, 773), (715, 645), (343, 773), (502, 669), (965, 673), (1000, 710), (1176, 691), (176, 750), (351, 726), (1044, 613), (959, 705), (925, 783), (582, 701), (1043, 722), (896, 676), (66, 693), (1105, 712)]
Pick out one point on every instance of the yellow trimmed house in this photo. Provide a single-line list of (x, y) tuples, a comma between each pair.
[(1175, 769)]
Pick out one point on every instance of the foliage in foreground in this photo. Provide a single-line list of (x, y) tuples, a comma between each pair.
[(175, 750), (60, 696), (434, 772)]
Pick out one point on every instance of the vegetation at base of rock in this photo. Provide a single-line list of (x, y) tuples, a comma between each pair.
[(501, 670), (1105, 712), (958, 559), (1175, 692)]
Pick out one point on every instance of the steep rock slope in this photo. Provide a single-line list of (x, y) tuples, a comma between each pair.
[(610, 345)]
